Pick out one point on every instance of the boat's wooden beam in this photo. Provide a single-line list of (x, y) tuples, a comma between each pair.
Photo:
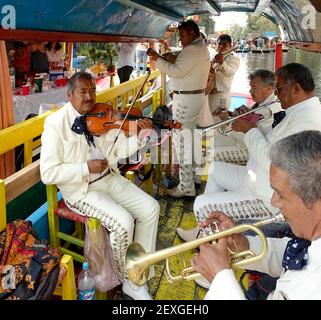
[(308, 46), (37, 35), (22, 180)]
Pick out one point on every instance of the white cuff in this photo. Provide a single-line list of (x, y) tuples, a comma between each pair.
[(225, 287), (85, 169)]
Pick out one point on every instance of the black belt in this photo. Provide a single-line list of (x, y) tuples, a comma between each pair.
[(189, 92), (102, 176), (214, 91)]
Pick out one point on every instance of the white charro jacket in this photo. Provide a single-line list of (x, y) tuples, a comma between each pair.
[(224, 73), (302, 116), (266, 125), (63, 152), (292, 285), (191, 67)]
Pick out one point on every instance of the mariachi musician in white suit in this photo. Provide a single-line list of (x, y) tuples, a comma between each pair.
[(230, 147), (242, 192), (234, 183), (222, 73), (295, 176), (188, 74), (84, 167)]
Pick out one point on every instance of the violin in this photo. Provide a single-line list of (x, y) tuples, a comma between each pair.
[(169, 57), (103, 117)]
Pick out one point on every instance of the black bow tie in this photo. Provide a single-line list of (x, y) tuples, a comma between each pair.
[(278, 117), (296, 254), (79, 127)]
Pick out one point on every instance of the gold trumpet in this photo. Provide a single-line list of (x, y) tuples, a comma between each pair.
[(138, 261), (228, 121)]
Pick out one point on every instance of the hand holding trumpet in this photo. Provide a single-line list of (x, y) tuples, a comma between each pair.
[(214, 258), (243, 124)]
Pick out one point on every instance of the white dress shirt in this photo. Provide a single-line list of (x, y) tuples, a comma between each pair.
[(292, 285), (302, 116), (126, 54)]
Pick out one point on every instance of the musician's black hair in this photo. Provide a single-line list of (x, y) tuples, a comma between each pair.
[(225, 38), (190, 25)]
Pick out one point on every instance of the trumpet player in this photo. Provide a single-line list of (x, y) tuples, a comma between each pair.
[(244, 192), (262, 86), (295, 177), (221, 74)]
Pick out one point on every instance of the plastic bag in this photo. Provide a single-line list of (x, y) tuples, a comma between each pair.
[(98, 253)]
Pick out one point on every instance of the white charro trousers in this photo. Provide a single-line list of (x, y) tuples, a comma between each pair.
[(187, 142), (239, 202), (128, 213), (230, 148)]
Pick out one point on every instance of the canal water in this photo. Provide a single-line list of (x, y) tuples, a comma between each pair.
[(253, 61)]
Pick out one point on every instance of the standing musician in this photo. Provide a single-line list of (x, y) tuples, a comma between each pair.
[(84, 167), (188, 74), (245, 192), (221, 75), (295, 177)]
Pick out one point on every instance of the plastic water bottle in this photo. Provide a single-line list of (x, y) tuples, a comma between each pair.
[(86, 283)]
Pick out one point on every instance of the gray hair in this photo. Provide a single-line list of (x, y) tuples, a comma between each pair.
[(79, 76), (267, 77), (299, 156), (297, 73)]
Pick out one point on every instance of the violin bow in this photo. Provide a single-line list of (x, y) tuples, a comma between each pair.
[(128, 112)]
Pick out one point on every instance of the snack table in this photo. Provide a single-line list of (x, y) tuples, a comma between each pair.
[(25, 105)]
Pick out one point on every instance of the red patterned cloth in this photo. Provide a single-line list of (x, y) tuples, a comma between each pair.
[(29, 267)]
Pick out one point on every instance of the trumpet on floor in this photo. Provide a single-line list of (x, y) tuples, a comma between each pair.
[(138, 261), (223, 125)]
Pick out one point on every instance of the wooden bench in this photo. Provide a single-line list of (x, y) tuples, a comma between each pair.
[(11, 188)]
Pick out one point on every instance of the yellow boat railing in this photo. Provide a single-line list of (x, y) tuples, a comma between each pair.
[(25, 132)]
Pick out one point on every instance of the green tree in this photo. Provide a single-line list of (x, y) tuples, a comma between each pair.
[(237, 32), (256, 26), (205, 22)]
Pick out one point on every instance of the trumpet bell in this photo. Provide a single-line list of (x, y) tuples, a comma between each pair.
[(135, 252)]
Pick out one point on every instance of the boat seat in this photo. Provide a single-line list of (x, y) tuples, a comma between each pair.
[(58, 209)]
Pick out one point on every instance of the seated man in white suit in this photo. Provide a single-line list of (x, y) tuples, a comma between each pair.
[(231, 148), (245, 192), (295, 177), (84, 167)]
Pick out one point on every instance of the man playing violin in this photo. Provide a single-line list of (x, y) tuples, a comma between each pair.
[(84, 167)]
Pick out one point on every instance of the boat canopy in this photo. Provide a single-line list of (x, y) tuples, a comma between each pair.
[(150, 18)]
